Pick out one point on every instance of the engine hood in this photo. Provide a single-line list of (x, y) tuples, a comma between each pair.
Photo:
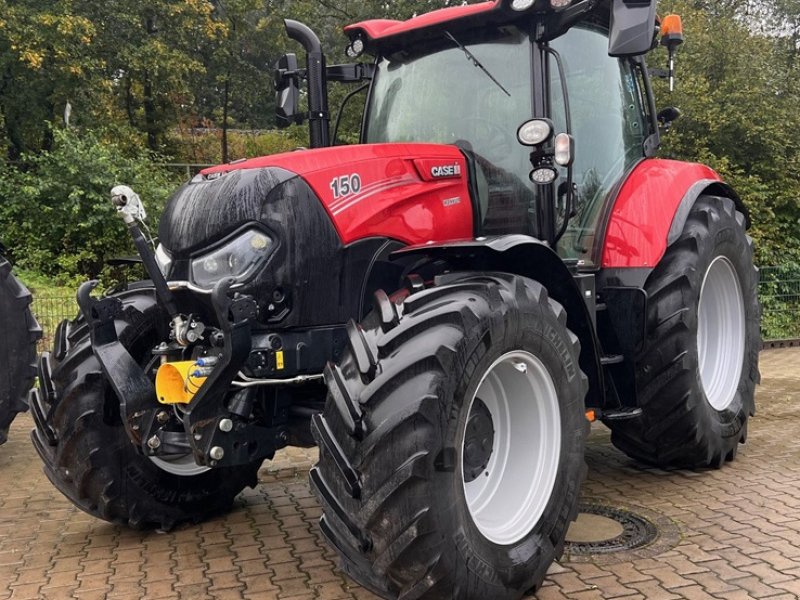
[(413, 193), (332, 214)]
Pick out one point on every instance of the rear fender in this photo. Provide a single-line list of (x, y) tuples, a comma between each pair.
[(701, 188), (651, 209), (528, 257)]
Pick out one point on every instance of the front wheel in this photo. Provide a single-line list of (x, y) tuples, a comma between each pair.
[(86, 451), (451, 445), (697, 372)]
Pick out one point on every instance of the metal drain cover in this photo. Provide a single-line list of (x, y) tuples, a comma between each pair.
[(601, 529)]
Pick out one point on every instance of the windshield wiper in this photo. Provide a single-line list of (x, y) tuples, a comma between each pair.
[(476, 62)]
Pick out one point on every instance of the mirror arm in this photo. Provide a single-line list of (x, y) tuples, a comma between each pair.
[(351, 73)]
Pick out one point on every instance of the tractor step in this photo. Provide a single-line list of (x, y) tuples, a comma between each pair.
[(620, 414)]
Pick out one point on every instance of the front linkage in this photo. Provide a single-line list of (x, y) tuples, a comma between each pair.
[(217, 435)]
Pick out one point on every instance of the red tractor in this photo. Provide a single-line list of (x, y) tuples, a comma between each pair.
[(442, 308), (18, 350)]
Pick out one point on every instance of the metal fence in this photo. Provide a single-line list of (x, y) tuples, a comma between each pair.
[(779, 293), (780, 302), (50, 311)]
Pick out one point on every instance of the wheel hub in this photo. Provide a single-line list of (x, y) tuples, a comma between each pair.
[(478, 441)]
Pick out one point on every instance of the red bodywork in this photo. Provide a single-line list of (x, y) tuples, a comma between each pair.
[(637, 231), (378, 29), (414, 193), (418, 193)]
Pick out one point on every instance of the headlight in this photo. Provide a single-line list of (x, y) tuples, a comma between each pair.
[(239, 258)]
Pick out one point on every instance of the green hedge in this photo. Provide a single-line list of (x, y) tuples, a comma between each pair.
[(780, 302), (56, 216)]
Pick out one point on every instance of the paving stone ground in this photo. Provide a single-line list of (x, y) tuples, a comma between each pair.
[(735, 531)]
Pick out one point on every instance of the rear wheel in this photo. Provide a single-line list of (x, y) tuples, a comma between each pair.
[(18, 350), (451, 446), (697, 373), (86, 451)]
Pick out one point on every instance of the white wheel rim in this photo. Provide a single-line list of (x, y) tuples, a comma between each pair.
[(720, 333), (183, 465), (508, 499)]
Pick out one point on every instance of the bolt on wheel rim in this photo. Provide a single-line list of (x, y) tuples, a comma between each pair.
[(510, 496), (720, 333)]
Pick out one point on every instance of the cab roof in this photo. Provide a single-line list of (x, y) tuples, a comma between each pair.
[(380, 29), (383, 34)]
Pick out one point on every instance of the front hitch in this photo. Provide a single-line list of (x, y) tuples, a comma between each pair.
[(217, 435), (129, 207)]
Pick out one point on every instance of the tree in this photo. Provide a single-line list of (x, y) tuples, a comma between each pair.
[(43, 62), (56, 215), (738, 91)]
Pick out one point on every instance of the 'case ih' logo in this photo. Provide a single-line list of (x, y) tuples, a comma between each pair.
[(441, 171)]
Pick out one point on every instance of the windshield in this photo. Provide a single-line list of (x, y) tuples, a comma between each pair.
[(443, 97)]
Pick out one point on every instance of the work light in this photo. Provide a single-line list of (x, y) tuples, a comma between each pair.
[(535, 132), (521, 5)]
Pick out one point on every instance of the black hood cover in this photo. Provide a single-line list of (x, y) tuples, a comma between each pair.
[(204, 211)]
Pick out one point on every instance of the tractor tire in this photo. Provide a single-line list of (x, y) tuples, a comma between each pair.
[(18, 350), (452, 440), (86, 451), (697, 371)]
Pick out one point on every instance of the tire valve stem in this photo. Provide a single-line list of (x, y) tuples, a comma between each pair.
[(521, 367)]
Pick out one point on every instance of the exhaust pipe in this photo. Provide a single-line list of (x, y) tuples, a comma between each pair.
[(318, 118)]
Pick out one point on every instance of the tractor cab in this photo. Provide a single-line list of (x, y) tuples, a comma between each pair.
[(549, 102)]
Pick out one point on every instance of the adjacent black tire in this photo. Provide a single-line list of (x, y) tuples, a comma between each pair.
[(86, 451), (418, 506), (18, 349), (697, 372)]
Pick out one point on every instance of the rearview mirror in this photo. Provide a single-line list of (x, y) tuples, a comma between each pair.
[(287, 91), (633, 27)]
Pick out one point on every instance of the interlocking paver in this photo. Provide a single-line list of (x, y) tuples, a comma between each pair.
[(739, 528)]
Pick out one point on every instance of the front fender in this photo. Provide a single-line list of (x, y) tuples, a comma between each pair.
[(532, 258)]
